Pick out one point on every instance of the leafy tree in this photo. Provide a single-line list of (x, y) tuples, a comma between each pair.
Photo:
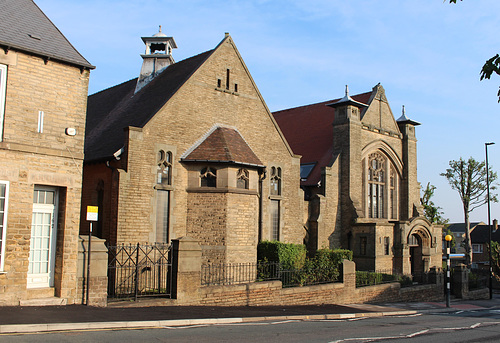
[(431, 211), (495, 257), (468, 178), (491, 66)]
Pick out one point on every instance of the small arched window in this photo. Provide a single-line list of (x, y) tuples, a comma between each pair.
[(208, 177), (275, 181), (164, 169), (242, 179)]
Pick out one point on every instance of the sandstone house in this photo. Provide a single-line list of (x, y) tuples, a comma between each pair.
[(43, 99)]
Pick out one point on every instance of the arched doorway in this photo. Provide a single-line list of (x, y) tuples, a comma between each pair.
[(419, 244), (415, 245)]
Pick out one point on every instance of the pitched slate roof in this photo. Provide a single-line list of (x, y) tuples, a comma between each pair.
[(481, 234), (112, 110), (222, 144), (460, 227), (308, 130), (25, 27)]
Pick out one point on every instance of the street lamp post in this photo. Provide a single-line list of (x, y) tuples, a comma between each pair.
[(489, 217), (448, 239)]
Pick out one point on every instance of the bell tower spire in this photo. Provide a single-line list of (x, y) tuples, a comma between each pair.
[(157, 57)]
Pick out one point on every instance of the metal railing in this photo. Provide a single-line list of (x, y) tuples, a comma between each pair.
[(139, 270), (235, 273), (370, 278)]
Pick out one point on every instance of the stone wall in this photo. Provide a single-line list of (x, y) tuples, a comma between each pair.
[(272, 293), (187, 282), (98, 280)]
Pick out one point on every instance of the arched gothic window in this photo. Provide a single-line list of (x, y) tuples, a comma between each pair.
[(242, 179), (164, 170), (381, 187), (275, 181), (208, 177)]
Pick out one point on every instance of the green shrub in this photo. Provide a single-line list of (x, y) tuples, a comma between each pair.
[(290, 256), (371, 278), (324, 266)]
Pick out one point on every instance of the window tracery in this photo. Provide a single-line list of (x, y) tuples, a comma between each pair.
[(242, 179), (208, 177), (164, 169), (275, 181), (381, 187)]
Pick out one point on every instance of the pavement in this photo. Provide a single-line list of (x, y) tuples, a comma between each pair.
[(25, 319)]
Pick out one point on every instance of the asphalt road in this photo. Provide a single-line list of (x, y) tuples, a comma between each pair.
[(458, 326)]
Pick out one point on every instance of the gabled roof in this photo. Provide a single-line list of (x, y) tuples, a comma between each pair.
[(481, 234), (222, 144), (112, 110), (23, 26), (308, 130), (460, 227)]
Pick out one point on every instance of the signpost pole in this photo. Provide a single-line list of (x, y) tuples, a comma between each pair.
[(92, 216), (88, 266), (448, 239)]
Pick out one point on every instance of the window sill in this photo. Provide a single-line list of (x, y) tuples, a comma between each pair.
[(226, 91), (164, 188), (221, 190)]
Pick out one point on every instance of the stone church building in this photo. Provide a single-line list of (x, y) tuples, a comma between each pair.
[(359, 175), (190, 148)]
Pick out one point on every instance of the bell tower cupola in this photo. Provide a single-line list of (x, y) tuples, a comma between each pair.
[(157, 57)]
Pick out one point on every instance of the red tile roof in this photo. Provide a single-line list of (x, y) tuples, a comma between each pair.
[(308, 130), (223, 144)]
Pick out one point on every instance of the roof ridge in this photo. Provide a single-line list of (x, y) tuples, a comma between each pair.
[(318, 103), (66, 39), (117, 85)]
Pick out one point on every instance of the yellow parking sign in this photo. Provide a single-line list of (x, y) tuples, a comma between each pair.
[(92, 213)]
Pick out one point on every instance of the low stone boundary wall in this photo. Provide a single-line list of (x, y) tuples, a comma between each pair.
[(272, 293)]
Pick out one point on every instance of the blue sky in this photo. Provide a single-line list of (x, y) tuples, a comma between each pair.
[(426, 53)]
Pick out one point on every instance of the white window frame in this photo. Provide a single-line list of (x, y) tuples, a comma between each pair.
[(4, 225), (3, 87), (477, 248)]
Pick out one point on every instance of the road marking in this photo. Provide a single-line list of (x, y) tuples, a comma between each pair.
[(418, 333)]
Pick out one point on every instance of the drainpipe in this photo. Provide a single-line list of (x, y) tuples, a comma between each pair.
[(262, 176)]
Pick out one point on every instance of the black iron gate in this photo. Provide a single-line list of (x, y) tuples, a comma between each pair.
[(139, 271)]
